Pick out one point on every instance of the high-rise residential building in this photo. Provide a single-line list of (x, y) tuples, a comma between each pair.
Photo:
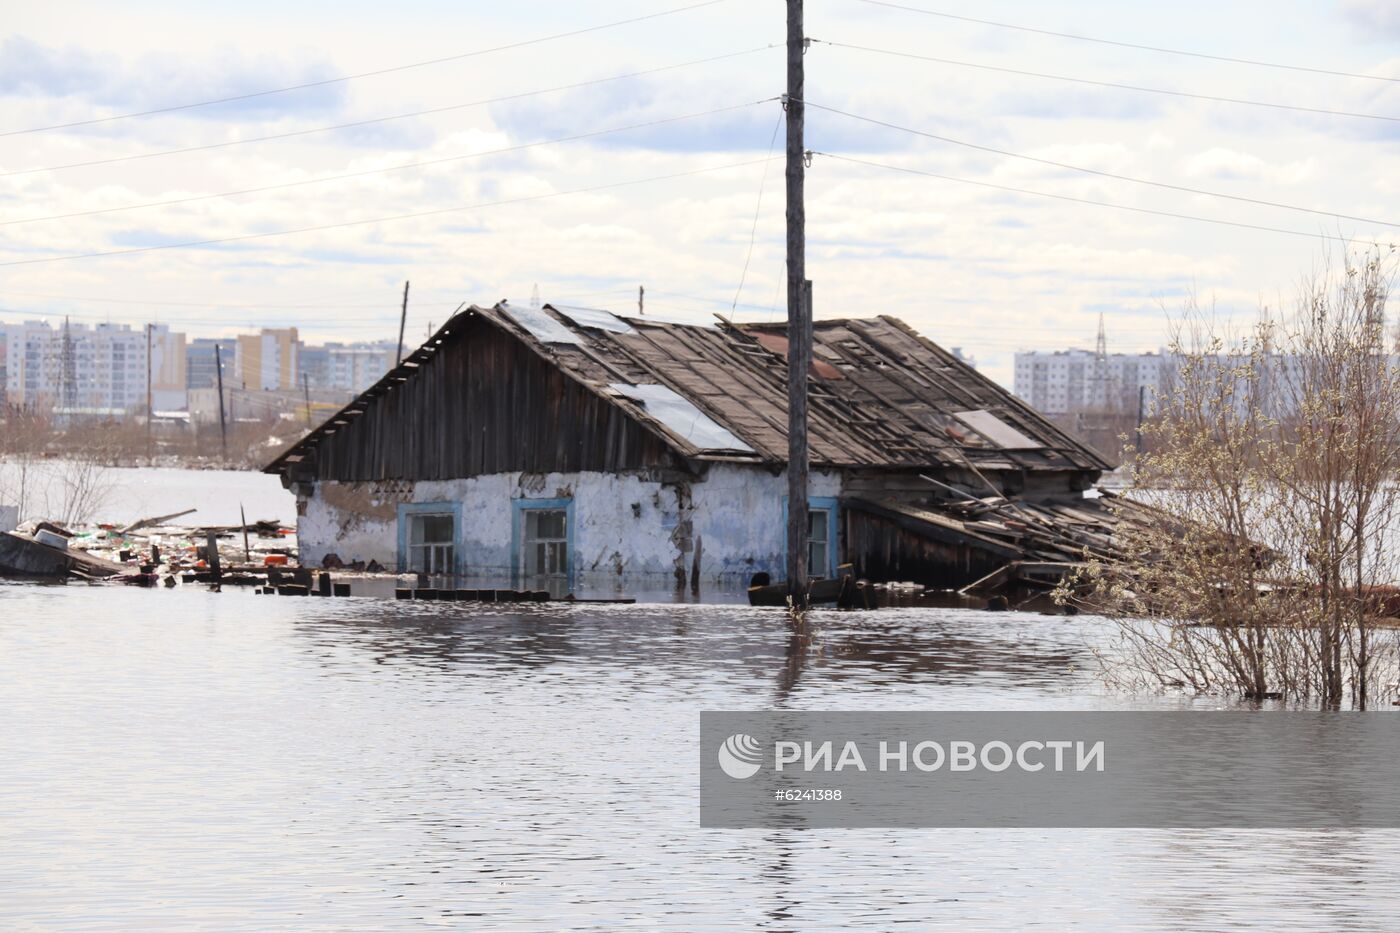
[(1101, 396), (168, 369), (201, 371), (268, 360), (1068, 382), (355, 367), (99, 370), (348, 368), (314, 365)]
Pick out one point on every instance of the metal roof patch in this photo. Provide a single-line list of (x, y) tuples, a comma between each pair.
[(997, 431), (595, 318), (540, 325), (681, 417)]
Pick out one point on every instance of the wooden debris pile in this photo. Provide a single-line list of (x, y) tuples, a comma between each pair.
[(1065, 531), (1053, 537), (989, 546)]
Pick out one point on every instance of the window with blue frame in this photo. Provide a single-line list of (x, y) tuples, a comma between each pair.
[(544, 541), (822, 542), (428, 534), (818, 542)]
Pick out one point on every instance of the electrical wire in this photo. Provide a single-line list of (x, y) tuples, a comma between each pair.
[(758, 209), (386, 119), (722, 302), (1111, 84), (260, 304), (1089, 201), (340, 319), (1130, 45), (1103, 174), (187, 304), (375, 220), (364, 74), (393, 168)]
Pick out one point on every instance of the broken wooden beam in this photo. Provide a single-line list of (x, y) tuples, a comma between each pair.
[(157, 520)]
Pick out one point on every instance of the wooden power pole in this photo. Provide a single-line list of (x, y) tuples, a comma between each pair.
[(799, 325), (403, 319), (223, 424)]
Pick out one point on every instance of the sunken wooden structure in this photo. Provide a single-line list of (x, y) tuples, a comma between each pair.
[(662, 447)]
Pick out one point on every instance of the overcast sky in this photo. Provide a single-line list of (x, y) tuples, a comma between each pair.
[(989, 270)]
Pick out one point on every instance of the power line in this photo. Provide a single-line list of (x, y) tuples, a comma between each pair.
[(386, 119), (1130, 45), (190, 304), (1111, 84), (1065, 197), (256, 321), (392, 168), (364, 74), (724, 302), (375, 220), (758, 208), (257, 304), (1105, 174), (275, 306)]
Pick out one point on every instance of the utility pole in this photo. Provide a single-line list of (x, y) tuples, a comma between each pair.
[(306, 394), (799, 324), (641, 300), (223, 425), (1142, 404), (150, 409), (403, 318)]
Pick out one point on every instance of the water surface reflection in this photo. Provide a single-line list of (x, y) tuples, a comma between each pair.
[(187, 760)]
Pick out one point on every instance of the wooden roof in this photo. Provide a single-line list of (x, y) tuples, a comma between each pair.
[(880, 395)]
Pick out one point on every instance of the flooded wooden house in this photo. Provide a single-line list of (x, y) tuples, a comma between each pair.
[(581, 451)]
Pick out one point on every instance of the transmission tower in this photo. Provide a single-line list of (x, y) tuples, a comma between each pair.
[(1101, 368), (68, 370)]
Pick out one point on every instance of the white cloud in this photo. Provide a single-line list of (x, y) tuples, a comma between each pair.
[(1380, 18), (1233, 165), (985, 269)]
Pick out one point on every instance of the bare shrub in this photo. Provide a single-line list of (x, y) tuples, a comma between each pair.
[(1276, 454), (23, 440), (79, 489)]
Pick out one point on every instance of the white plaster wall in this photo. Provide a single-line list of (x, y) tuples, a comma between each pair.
[(629, 533), (323, 528)]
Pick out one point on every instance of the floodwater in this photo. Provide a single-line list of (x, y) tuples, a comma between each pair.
[(126, 494), (228, 762)]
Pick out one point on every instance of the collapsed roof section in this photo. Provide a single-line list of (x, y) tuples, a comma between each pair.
[(880, 395)]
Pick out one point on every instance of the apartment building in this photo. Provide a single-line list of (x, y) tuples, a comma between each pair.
[(354, 367), (268, 360), (1068, 382), (100, 370), (347, 368), (201, 371)]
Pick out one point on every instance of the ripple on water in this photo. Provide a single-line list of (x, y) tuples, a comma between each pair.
[(186, 760)]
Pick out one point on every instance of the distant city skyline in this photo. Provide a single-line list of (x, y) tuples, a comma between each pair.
[(101, 370)]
